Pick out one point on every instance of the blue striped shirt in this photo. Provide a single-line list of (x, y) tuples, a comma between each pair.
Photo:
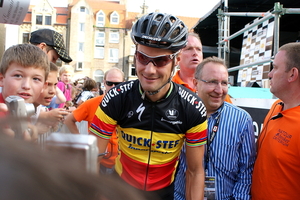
[(232, 155)]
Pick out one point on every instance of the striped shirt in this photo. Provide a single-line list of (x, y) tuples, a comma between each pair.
[(232, 155)]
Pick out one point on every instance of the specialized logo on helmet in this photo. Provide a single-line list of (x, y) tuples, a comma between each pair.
[(151, 38), (172, 114)]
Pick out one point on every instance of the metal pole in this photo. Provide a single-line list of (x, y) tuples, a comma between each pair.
[(248, 14), (267, 17), (226, 34), (220, 37), (277, 12), (231, 69)]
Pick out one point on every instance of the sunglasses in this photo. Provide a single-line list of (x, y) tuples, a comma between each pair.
[(158, 61), (109, 83)]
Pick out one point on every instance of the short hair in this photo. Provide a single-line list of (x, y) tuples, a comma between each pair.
[(194, 35), (66, 69), (89, 84), (212, 59), (114, 69), (27, 55), (53, 67), (292, 55)]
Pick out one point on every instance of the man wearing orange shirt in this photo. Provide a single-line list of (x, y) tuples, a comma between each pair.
[(276, 173), (86, 111), (189, 58)]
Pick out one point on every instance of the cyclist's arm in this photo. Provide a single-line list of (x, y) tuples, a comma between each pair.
[(195, 173)]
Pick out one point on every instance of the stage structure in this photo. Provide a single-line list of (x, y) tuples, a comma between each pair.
[(260, 42)]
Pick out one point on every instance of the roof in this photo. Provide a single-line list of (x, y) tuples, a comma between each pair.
[(107, 7), (61, 15)]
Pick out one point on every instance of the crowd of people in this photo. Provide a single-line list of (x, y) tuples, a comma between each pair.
[(166, 135)]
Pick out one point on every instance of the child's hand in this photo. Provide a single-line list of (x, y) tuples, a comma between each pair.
[(3, 107)]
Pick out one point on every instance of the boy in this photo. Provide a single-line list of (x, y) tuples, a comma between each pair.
[(52, 117), (23, 71)]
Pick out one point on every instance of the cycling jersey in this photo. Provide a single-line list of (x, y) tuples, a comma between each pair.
[(150, 134)]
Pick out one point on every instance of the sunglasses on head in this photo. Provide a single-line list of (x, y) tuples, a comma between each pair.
[(158, 61), (110, 83)]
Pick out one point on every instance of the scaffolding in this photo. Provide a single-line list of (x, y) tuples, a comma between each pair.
[(225, 37)]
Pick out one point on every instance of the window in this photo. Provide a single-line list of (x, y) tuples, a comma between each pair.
[(79, 66), (114, 37), (39, 19), (99, 75), (132, 70), (81, 27), (81, 46), (99, 52), (82, 9), (114, 18), (48, 20), (100, 38), (100, 22), (113, 55), (25, 38)]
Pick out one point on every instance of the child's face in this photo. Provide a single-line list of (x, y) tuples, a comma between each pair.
[(66, 77), (49, 92), (25, 82)]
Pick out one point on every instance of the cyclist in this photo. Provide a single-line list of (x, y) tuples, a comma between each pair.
[(154, 116)]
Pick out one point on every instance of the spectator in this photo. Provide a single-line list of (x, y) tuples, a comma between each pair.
[(86, 111), (52, 43), (23, 71), (188, 59), (48, 119), (64, 83), (230, 151), (153, 115), (276, 172), (89, 86)]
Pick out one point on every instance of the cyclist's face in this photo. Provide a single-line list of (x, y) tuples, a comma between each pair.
[(150, 76)]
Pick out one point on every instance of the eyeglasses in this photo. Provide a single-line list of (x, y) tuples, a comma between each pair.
[(110, 83), (215, 83), (158, 61)]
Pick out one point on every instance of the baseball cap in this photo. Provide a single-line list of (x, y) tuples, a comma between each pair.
[(53, 39)]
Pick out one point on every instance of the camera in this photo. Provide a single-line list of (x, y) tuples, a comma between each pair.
[(20, 112), (81, 149)]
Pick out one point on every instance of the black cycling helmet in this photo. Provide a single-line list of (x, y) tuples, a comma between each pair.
[(160, 30)]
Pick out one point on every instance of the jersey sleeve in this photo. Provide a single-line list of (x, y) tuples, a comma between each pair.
[(197, 135), (102, 125)]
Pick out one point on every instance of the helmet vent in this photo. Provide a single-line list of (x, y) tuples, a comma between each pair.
[(165, 30)]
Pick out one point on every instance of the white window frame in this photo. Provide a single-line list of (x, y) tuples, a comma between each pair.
[(100, 23), (114, 18), (114, 37), (132, 70), (78, 68), (99, 38), (80, 47), (113, 55), (50, 17), (99, 52), (81, 27)]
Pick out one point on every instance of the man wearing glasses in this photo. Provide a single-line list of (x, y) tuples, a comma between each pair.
[(155, 116), (230, 150), (86, 112)]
